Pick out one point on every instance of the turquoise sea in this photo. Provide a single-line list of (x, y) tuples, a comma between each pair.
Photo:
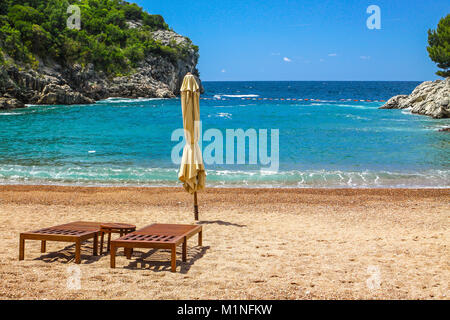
[(330, 141)]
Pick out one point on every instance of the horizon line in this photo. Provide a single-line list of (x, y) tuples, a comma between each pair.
[(318, 80)]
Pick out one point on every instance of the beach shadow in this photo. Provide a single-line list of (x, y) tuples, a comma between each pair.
[(140, 263), (223, 223), (67, 255)]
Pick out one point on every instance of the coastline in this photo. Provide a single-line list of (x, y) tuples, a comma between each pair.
[(258, 243), (214, 187), (209, 189)]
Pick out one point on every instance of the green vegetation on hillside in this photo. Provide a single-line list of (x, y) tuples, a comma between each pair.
[(439, 46), (31, 29)]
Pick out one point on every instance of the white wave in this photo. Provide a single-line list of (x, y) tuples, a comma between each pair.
[(397, 120), (115, 99), (438, 128), (356, 117), (222, 115), (384, 129), (229, 106), (236, 96), (128, 100), (140, 176), (356, 106)]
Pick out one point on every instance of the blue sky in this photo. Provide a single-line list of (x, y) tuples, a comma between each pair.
[(306, 40)]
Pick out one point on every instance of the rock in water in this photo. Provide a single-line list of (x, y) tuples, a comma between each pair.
[(56, 94), (394, 102), (10, 103), (429, 98)]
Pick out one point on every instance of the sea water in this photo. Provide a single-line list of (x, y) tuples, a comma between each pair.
[(326, 138)]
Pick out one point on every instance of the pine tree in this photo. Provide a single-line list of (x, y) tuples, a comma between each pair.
[(439, 46)]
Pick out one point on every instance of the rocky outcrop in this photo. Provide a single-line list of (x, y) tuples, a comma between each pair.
[(429, 98), (173, 73), (10, 103), (62, 94), (157, 76), (445, 129)]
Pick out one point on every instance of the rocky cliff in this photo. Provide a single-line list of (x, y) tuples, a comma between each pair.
[(429, 98), (157, 76)]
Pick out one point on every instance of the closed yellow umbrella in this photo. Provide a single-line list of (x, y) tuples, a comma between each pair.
[(192, 171)]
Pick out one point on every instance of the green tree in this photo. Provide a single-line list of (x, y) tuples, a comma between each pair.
[(20, 13), (117, 18), (115, 35), (132, 11), (154, 21), (4, 7), (439, 46), (135, 53), (12, 43), (40, 38)]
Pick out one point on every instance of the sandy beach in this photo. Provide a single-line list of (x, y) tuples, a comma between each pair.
[(258, 244)]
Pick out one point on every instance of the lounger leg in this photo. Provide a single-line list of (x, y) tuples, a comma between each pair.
[(22, 248), (109, 242), (78, 252), (95, 245), (102, 236), (43, 246), (113, 256), (128, 253), (174, 259), (200, 238), (185, 249)]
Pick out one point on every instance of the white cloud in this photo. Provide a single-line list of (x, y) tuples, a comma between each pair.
[(287, 59), (223, 71), (364, 57), (332, 54), (275, 54)]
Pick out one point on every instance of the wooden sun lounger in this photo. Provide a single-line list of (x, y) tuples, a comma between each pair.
[(76, 232), (158, 236)]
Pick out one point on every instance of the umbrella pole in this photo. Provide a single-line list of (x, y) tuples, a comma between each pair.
[(195, 206)]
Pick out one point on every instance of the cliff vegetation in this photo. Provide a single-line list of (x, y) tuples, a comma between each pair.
[(36, 30)]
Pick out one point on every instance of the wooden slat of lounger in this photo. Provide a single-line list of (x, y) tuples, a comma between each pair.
[(159, 234), (76, 232), (56, 234), (81, 225), (62, 232), (73, 228), (67, 229), (149, 237)]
